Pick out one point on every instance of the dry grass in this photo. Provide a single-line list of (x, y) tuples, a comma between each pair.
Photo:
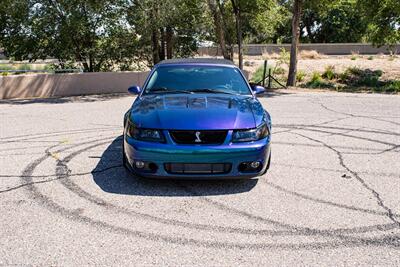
[(310, 54), (266, 55)]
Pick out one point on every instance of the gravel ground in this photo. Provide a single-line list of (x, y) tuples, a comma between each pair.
[(331, 196)]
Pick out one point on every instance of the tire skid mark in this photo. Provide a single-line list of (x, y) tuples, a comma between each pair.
[(69, 214), (350, 114), (330, 203), (54, 179), (62, 170), (376, 195), (362, 129), (38, 136)]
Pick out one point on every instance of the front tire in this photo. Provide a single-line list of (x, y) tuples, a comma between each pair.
[(124, 159)]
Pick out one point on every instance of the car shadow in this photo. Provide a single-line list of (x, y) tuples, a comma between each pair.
[(112, 177)]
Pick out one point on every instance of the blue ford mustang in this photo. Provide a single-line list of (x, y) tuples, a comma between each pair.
[(197, 118)]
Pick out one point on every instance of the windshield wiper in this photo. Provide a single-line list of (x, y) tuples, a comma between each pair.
[(213, 91), (168, 91)]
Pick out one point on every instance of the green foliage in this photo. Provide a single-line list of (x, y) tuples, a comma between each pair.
[(279, 71), (283, 59), (384, 20), (258, 74), (300, 75), (333, 22), (392, 86), (316, 77), (370, 58), (318, 82), (329, 72), (361, 77)]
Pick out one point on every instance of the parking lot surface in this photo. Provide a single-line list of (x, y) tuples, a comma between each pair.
[(331, 196)]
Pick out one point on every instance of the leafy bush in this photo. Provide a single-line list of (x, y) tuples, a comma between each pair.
[(392, 86), (279, 71), (300, 76), (370, 58), (329, 73), (258, 75), (317, 81), (361, 77), (316, 77)]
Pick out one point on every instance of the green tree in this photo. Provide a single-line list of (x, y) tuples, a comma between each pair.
[(69, 30), (338, 22), (384, 18), (236, 20), (166, 29)]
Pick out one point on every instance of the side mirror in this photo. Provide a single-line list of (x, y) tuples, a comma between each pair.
[(258, 89), (134, 90)]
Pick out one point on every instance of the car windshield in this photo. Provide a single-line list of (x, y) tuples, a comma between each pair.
[(197, 79)]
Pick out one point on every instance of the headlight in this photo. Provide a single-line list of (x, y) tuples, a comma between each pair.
[(251, 135), (144, 134)]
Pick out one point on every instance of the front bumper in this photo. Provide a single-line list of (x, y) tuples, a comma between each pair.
[(163, 153)]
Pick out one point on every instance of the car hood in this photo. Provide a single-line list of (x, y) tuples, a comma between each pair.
[(197, 111)]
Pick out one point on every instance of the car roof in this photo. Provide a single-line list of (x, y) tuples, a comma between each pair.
[(194, 61)]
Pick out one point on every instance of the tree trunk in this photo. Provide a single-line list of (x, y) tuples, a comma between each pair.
[(219, 27), (295, 42), (155, 46), (162, 45), (170, 42), (236, 10)]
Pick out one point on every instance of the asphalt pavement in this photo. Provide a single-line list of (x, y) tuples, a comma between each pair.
[(331, 196)]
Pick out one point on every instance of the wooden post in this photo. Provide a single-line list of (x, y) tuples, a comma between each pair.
[(265, 72), (269, 79)]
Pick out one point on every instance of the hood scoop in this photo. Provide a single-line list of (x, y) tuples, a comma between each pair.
[(196, 102)]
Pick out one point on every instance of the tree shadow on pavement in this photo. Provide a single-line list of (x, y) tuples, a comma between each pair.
[(62, 100), (112, 177)]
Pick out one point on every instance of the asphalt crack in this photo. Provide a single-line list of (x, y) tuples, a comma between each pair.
[(376, 195)]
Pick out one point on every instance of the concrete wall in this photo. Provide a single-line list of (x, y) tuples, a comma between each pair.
[(327, 49), (55, 85)]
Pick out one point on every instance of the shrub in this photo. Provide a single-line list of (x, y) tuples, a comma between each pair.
[(300, 76), (317, 81), (354, 55), (279, 71), (392, 86), (361, 77), (329, 73), (370, 58), (258, 75), (316, 77)]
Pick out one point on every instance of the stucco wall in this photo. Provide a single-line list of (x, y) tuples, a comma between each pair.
[(55, 85), (327, 49)]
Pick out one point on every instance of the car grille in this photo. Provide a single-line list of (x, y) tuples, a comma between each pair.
[(198, 168), (199, 137)]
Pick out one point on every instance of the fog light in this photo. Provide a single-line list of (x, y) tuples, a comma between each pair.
[(255, 164), (139, 164)]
